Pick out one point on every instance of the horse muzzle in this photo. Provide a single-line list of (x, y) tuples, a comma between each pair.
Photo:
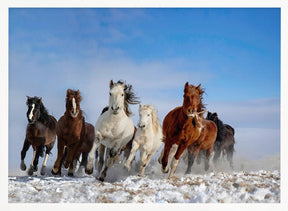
[(74, 114)]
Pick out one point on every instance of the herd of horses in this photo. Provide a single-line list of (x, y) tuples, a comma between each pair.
[(183, 128)]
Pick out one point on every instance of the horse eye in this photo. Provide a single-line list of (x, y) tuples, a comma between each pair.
[(122, 95), (110, 93), (148, 114)]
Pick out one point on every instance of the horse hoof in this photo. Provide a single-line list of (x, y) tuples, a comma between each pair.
[(165, 171), (101, 179), (23, 166), (188, 172), (56, 173), (30, 172), (70, 174), (43, 171), (89, 171)]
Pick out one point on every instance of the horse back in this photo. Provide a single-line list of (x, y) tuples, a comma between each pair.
[(51, 130), (208, 134)]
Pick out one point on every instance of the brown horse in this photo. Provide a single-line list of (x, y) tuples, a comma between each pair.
[(204, 143), (70, 133), (181, 126), (40, 132), (86, 145)]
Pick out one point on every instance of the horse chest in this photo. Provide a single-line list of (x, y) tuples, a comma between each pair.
[(72, 132)]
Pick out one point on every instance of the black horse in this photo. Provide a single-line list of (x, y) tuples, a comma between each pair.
[(40, 133), (224, 141)]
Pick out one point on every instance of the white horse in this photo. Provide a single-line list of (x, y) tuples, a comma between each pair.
[(114, 128), (148, 137)]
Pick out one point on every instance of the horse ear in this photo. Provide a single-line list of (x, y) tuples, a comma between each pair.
[(78, 92), (40, 100), (198, 87), (111, 84), (140, 106), (186, 85), (68, 92)]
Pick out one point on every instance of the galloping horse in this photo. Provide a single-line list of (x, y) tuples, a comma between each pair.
[(225, 139), (114, 128), (148, 137), (86, 146), (181, 126), (204, 143), (70, 133), (40, 132)]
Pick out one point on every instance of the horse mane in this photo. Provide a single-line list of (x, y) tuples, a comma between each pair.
[(201, 106), (129, 97)]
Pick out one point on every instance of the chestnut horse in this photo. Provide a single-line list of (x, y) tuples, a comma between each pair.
[(204, 143), (181, 126), (40, 133), (70, 133)]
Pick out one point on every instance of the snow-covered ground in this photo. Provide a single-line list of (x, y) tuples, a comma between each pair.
[(251, 181)]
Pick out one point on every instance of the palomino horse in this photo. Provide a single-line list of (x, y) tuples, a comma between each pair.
[(40, 132), (114, 128), (225, 141), (204, 143), (70, 133), (181, 127), (148, 137)]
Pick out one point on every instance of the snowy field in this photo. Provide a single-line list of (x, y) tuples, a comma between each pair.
[(251, 182)]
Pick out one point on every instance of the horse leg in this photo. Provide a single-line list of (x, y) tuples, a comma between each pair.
[(108, 163), (198, 159), (164, 159), (127, 151), (161, 156), (101, 153), (135, 147), (230, 156), (208, 154), (145, 163), (25, 148), (175, 160), (48, 150), (60, 158), (37, 152), (190, 160), (89, 167)]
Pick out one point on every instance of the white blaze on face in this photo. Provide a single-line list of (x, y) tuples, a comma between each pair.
[(31, 112), (74, 105)]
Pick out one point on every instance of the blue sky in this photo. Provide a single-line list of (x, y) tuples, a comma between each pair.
[(233, 53)]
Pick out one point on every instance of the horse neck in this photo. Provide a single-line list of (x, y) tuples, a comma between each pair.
[(69, 118)]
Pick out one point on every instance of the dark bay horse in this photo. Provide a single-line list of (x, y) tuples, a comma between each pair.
[(181, 126), (70, 133), (40, 133), (225, 139)]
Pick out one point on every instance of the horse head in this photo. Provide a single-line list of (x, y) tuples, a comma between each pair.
[(192, 99), (212, 116), (145, 116), (34, 106), (73, 99), (121, 96)]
